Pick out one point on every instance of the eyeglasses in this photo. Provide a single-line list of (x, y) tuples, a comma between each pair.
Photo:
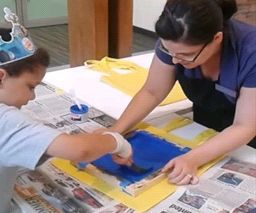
[(188, 59)]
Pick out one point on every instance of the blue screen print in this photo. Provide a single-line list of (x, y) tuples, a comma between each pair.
[(149, 152)]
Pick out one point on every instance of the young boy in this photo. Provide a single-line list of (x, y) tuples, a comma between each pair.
[(23, 141)]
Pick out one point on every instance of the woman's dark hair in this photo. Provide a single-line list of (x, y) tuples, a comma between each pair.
[(29, 64), (194, 21)]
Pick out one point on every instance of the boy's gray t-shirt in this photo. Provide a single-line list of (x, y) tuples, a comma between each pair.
[(22, 144)]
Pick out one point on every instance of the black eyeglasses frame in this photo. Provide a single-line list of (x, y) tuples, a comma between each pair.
[(163, 49)]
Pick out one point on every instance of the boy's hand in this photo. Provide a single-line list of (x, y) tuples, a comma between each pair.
[(123, 151), (100, 130), (181, 171), (104, 129), (122, 161)]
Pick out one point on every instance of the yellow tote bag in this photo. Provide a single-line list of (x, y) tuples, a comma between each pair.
[(131, 81)]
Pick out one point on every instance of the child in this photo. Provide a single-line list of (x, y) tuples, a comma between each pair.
[(23, 141)]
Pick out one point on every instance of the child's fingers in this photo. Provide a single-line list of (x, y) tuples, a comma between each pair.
[(122, 161)]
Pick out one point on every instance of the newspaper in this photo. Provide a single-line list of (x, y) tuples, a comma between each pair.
[(92, 199), (49, 190), (228, 187), (52, 108), (35, 192)]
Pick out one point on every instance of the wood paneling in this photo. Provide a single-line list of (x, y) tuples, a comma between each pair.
[(99, 28), (88, 30), (55, 40), (120, 28)]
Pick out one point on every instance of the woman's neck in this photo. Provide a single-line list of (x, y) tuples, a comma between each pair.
[(211, 68)]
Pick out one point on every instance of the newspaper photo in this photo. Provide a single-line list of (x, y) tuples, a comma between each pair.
[(228, 187), (36, 193), (50, 190)]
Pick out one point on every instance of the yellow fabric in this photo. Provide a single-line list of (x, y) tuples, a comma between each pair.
[(177, 123), (130, 82), (153, 195), (141, 203)]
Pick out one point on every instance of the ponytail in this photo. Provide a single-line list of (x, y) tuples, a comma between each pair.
[(228, 7)]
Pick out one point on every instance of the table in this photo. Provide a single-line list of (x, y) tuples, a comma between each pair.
[(113, 102)]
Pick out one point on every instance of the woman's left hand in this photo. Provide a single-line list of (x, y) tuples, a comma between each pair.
[(181, 171)]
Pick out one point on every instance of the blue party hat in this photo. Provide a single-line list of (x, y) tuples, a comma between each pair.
[(20, 45)]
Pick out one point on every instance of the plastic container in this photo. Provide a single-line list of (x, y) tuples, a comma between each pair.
[(79, 115)]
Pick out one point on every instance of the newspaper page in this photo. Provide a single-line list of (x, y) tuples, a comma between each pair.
[(228, 187), (35, 192), (92, 199), (49, 190), (52, 107)]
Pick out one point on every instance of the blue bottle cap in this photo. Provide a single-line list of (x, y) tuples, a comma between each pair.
[(74, 109)]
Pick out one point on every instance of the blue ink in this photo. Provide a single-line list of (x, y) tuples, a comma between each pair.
[(135, 168), (81, 165), (149, 152)]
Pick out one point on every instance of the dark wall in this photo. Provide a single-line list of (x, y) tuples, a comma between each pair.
[(246, 11)]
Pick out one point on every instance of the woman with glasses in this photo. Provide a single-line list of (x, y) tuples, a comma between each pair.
[(214, 59)]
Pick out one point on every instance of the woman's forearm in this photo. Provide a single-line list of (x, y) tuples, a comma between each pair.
[(226, 141), (140, 106)]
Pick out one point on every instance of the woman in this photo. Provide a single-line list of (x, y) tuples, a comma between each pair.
[(214, 59)]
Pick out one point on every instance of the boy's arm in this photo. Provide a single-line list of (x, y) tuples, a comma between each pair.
[(23, 142), (88, 147)]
